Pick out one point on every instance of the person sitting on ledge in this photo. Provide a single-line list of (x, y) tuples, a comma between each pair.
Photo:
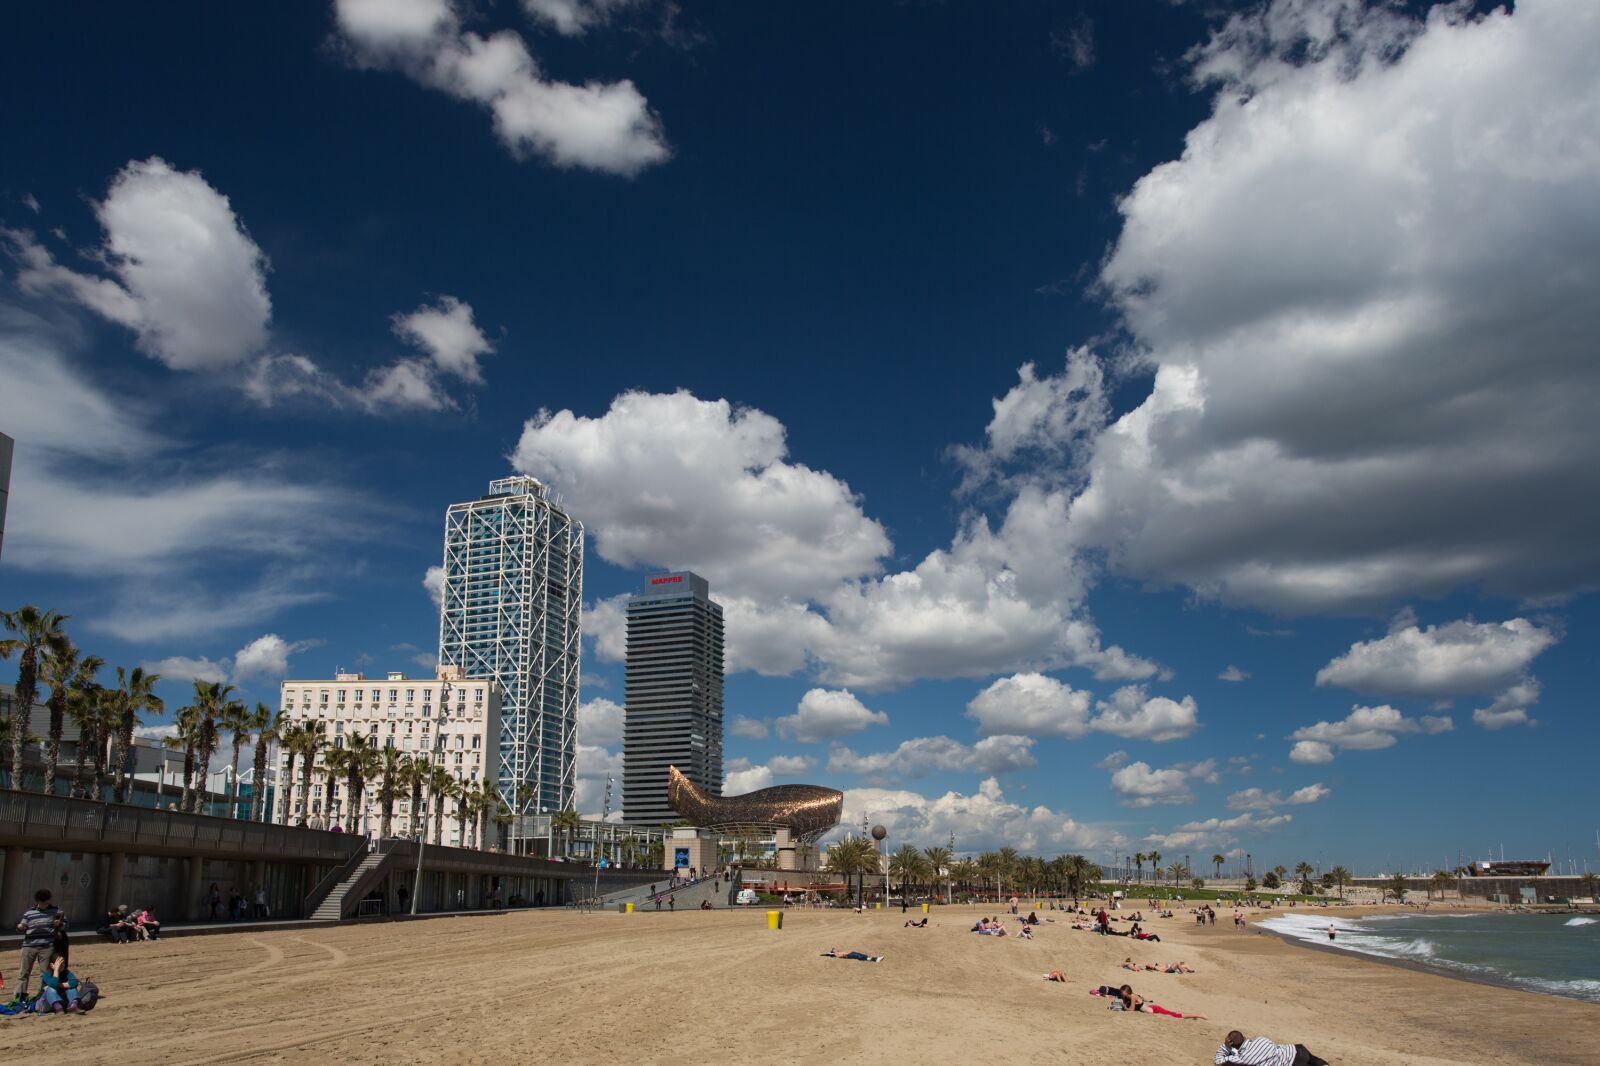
[(117, 925), (835, 953), (1259, 1051), (705, 904), (147, 925)]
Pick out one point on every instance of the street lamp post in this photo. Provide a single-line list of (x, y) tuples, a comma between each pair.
[(604, 814)]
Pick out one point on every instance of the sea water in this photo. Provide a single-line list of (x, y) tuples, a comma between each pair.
[(1554, 953)]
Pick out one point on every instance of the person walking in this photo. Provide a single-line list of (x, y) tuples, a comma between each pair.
[(261, 902), (672, 904), (404, 894), (38, 929), (213, 899)]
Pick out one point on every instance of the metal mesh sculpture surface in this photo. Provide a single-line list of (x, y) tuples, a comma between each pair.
[(807, 811)]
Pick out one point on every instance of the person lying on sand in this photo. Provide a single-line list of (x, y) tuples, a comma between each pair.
[(835, 953), (916, 925), (1259, 1051), (1055, 975), (1133, 1002)]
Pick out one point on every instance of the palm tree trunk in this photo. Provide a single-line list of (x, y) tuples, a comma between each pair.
[(288, 776), (419, 816), (258, 797), (22, 709), (124, 745), (52, 756), (305, 787), (187, 798), (438, 817), (233, 792)]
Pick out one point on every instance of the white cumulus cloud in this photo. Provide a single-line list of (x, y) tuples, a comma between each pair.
[(605, 126), (1363, 729), (1131, 713), (188, 279), (824, 714)]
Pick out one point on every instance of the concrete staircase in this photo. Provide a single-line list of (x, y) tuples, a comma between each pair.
[(355, 884)]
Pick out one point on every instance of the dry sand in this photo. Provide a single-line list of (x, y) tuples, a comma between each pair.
[(718, 987)]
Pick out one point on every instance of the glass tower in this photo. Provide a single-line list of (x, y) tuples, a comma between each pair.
[(513, 594), (674, 694)]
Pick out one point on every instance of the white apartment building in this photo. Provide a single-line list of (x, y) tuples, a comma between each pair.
[(455, 723)]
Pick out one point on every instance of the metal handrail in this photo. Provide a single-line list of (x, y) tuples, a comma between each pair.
[(320, 890)]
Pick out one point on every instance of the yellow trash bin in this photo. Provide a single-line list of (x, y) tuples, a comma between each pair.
[(877, 906), (774, 919), (630, 908), (924, 908)]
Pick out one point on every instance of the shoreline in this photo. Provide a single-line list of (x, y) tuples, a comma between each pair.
[(1490, 980)]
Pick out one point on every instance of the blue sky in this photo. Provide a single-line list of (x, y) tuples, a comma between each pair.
[(1110, 427)]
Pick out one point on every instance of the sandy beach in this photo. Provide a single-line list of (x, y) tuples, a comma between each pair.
[(719, 987)]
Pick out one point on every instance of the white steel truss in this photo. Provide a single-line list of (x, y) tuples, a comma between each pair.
[(513, 598)]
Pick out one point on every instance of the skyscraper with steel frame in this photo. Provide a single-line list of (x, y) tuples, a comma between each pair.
[(673, 714), (513, 594)]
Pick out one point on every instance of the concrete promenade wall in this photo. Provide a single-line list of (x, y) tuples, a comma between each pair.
[(94, 855)]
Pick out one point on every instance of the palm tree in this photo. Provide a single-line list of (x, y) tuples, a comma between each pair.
[(1008, 867), (853, 855), (466, 808), (212, 704), (489, 808), (269, 726), (361, 764), (310, 741), (905, 864), (1303, 870), (89, 708), (1396, 887), (988, 867), (290, 738), (963, 872), (441, 786), (186, 735), (1440, 880), (240, 721), (66, 672), (1217, 861), (135, 692), (414, 779), (1138, 860), (39, 634), (1175, 871), (393, 767), (939, 860), (566, 823), (332, 768)]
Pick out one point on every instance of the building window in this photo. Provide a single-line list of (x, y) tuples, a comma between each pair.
[(477, 742), (477, 695), (338, 742)]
